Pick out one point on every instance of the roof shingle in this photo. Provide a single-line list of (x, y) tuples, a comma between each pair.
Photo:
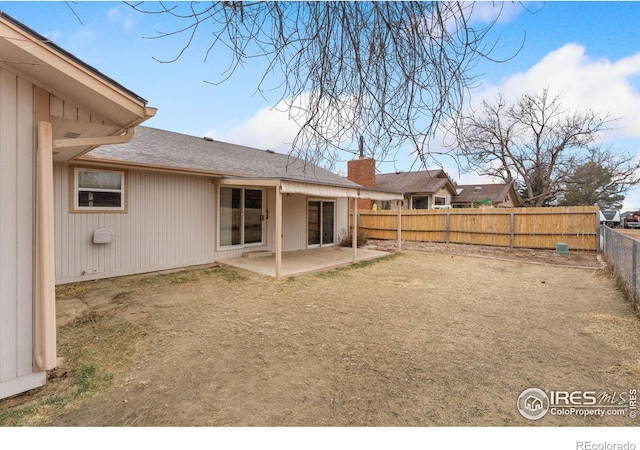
[(163, 148), (426, 181), (494, 192)]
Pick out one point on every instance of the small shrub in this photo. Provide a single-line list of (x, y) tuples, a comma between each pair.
[(347, 239)]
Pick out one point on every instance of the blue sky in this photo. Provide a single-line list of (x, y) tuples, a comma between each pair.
[(588, 52)]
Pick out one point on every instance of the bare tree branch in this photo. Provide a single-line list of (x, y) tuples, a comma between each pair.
[(540, 144), (392, 72)]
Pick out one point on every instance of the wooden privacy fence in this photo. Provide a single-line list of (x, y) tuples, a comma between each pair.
[(541, 228)]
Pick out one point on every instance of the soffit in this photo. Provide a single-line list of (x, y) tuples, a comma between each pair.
[(34, 58)]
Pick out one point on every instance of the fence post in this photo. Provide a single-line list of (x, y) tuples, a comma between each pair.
[(599, 243), (399, 229), (447, 226), (512, 226), (634, 273)]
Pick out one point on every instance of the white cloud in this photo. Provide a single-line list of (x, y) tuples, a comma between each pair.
[(603, 86), (120, 17), (488, 11), (269, 128), (273, 128)]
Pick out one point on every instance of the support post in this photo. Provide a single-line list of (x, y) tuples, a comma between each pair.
[(399, 229), (354, 231), (45, 293), (278, 233)]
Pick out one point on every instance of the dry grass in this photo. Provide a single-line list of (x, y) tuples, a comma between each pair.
[(406, 340)]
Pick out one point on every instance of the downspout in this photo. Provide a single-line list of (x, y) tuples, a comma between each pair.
[(45, 352)]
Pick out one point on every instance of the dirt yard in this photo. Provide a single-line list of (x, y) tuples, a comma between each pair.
[(634, 233), (426, 338)]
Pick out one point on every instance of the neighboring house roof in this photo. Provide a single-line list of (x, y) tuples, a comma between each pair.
[(165, 149), (424, 181), (478, 192)]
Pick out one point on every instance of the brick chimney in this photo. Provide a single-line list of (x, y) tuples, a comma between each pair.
[(363, 172)]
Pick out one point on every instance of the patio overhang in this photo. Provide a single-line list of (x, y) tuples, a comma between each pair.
[(326, 190), (316, 189)]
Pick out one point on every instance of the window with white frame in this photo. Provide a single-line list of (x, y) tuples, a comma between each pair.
[(439, 201), (98, 190), (419, 202)]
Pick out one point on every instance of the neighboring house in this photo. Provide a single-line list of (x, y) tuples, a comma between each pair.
[(428, 189), (420, 190), (423, 189), (501, 195), (53, 108)]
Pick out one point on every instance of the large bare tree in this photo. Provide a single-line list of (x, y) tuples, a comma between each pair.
[(539, 144), (389, 71)]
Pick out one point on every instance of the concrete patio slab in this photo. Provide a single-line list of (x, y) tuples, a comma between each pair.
[(303, 261)]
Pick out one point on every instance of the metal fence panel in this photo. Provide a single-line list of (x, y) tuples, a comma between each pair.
[(622, 252)]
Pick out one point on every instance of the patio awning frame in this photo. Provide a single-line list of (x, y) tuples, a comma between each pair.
[(325, 190), (317, 190)]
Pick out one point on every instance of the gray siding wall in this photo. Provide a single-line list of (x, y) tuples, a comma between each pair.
[(170, 223), (294, 222), (342, 220), (17, 206)]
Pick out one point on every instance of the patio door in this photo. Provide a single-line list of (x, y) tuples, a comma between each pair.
[(320, 223), (253, 216), (241, 216)]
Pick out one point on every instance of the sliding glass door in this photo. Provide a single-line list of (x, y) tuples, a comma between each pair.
[(327, 223), (253, 216), (241, 216), (320, 223)]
